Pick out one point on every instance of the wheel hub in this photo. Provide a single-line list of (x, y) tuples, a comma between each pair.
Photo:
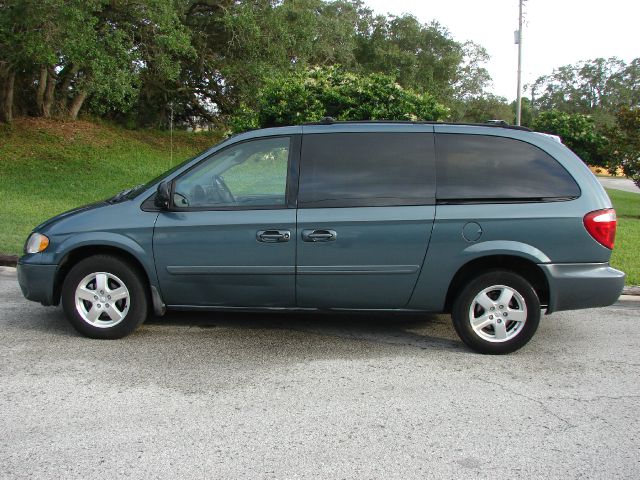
[(498, 313), (102, 299)]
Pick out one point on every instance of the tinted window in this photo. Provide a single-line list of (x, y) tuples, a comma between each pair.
[(485, 167), (366, 169), (249, 174)]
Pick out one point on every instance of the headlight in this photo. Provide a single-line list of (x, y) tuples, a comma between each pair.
[(36, 243)]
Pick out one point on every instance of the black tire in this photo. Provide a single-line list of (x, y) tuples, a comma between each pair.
[(487, 340), (132, 310)]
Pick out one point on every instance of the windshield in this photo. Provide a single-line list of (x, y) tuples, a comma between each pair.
[(130, 193), (171, 170)]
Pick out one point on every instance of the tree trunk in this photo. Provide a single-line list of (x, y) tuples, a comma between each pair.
[(67, 75), (6, 108), (76, 104), (49, 92), (42, 85), (4, 70)]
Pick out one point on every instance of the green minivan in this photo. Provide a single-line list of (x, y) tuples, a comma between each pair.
[(491, 223)]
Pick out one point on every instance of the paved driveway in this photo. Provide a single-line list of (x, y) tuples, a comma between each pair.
[(291, 396), (619, 184)]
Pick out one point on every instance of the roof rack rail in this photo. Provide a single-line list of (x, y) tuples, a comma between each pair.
[(489, 123), (497, 122), (326, 121)]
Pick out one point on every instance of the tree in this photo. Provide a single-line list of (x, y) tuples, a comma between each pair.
[(597, 87), (73, 50), (423, 57), (577, 131), (239, 45), (482, 108), (318, 92), (25, 41), (261, 40), (134, 60), (527, 112), (292, 34), (624, 144), (472, 78)]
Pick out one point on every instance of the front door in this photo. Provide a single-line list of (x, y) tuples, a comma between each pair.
[(230, 236), (366, 210)]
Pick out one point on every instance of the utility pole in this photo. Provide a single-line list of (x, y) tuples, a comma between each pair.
[(518, 37), (171, 133)]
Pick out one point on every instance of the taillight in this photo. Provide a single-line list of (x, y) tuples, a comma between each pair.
[(601, 224)]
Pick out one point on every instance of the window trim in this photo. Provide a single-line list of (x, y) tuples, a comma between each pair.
[(502, 201), (378, 202), (499, 200), (375, 202), (292, 171)]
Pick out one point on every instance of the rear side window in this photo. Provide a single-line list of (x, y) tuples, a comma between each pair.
[(366, 169), (476, 167)]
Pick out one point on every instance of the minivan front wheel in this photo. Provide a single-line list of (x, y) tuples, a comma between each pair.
[(104, 297), (497, 312)]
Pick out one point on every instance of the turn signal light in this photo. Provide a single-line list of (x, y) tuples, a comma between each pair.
[(36, 243)]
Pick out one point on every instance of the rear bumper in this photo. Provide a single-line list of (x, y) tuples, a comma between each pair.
[(37, 281), (573, 286)]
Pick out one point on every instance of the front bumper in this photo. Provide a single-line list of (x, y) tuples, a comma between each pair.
[(37, 281), (573, 286)]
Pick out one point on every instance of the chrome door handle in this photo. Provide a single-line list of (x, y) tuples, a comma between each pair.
[(273, 236), (319, 235)]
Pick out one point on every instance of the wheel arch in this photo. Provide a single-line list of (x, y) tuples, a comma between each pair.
[(524, 267), (75, 255)]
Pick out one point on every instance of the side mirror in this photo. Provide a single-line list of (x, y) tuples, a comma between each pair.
[(163, 196)]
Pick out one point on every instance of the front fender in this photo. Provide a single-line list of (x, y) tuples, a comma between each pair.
[(135, 247)]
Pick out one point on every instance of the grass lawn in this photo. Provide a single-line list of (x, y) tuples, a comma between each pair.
[(626, 253), (48, 167)]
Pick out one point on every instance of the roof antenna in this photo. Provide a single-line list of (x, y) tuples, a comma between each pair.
[(327, 121)]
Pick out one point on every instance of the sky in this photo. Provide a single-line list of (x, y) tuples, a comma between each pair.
[(555, 33)]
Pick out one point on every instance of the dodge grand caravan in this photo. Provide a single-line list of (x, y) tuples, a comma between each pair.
[(493, 224)]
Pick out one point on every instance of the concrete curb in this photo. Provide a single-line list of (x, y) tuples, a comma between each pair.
[(632, 290), (628, 298), (8, 260)]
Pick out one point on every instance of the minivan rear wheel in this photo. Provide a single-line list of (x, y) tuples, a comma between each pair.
[(104, 297), (497, 312)]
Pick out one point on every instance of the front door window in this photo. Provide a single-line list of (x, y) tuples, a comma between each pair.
[(247, 175)]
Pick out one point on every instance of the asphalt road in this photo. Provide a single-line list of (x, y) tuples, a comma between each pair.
[(292, 396)]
